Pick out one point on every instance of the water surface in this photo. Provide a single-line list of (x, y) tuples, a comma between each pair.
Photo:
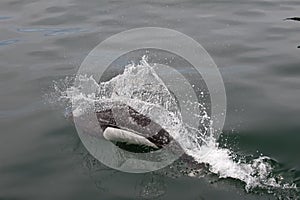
[(41, 41)]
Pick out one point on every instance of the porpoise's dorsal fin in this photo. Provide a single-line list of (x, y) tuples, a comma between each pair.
[(293, 18)]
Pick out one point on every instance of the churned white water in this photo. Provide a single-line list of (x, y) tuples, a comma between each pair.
[(141, 88)]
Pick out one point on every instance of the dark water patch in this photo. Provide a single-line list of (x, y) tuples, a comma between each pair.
[(21, 2), (292, 3), (86, 42), (275, 37), (8, 75), (17, 113), (235, 50), (109, 22), (12, 197), (282, 30), (56, 9), (291, 69), (254, 59), (287, 8), (250, 13), (31, 169), (47, 55), (231, 22), (68, 131)]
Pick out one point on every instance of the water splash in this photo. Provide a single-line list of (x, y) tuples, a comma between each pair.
[(142, 89)]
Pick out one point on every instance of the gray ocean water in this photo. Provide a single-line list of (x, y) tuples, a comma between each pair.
[(43, 41)]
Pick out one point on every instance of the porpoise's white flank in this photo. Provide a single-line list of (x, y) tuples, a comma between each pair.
[(121, 135)]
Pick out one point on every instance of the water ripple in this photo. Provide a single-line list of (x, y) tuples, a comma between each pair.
[(5, 17), (8, 42), (51, 31)]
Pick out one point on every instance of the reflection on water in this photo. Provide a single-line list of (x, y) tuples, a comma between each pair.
[(8, 42), (51, 31)]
